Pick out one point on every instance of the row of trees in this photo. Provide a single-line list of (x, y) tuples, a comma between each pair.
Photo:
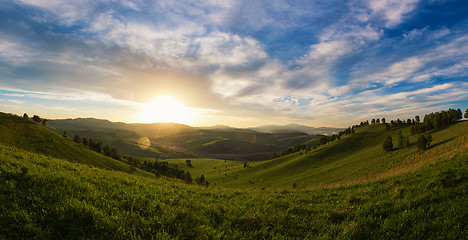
[(437, 120), (333, 137), (323, 140), (96, 146), (432, 121), (403, 142), (290, 150), (156, 167), (37, 119)]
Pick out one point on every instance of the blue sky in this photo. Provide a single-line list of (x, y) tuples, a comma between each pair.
[(239, 63)]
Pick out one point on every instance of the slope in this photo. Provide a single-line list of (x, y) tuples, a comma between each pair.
[(24, 134), (48, 198), (354, 158)]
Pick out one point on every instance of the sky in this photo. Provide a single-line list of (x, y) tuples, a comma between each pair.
[(238, 63)]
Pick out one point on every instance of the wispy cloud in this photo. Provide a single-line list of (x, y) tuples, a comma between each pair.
[(285, 60)]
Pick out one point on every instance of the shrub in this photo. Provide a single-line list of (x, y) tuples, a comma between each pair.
[(388, 144)]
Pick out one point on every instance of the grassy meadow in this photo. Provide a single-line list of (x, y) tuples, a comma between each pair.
[(355, 158), (347, 189)]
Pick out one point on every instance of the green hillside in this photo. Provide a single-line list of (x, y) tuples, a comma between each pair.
[(52, 188), (121, 135), (29, 136), (234, 144), (49, 198), (355, 158), (176, 140)]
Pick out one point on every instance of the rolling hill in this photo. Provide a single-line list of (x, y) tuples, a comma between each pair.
[(355, 158), (405, 194), (26, 135), (170, 140)]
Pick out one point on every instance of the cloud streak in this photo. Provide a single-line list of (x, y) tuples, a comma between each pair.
[(283, 60)]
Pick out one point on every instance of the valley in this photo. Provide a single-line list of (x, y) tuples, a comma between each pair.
[(345, 189)]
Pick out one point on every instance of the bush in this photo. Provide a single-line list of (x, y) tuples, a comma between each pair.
[(388, 144), (422, 142)]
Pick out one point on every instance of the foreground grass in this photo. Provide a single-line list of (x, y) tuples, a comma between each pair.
[(42, 197)]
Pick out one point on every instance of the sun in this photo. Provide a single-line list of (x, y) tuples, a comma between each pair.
[(166, 109)]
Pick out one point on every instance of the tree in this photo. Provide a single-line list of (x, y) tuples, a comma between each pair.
[(189, 163), (378, 120), (373, 121), (201, 180), (37, 119), (388, 144), (383, 120), (85, 141), (25, 116), (44, 122), (65, 134), (466, 113), (428, 137), (459, 114), (107, 150), (417, 120), (98, 147), (115, 153), (422, 142), (401, 140), (77, 138)]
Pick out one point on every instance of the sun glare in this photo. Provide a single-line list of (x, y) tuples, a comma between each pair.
[(166, 109)]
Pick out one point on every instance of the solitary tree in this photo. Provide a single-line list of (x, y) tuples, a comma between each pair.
[(44, 122), (422, 142), (388, 144), (401, 141)]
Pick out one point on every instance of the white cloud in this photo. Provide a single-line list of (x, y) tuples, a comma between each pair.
[(391, 11), (399, 71), (66, 12)]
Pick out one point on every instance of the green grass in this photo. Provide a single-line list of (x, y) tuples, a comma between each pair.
[(349, 189), (26, 135), (354, 158), (46, 198), (209, 167)]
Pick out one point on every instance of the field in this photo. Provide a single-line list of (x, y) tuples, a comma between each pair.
[(353, 159), (366, 193)]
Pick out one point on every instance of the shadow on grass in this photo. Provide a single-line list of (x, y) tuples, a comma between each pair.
[(440, 143)]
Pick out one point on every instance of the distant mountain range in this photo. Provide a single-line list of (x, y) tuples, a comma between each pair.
[(290, 128)]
